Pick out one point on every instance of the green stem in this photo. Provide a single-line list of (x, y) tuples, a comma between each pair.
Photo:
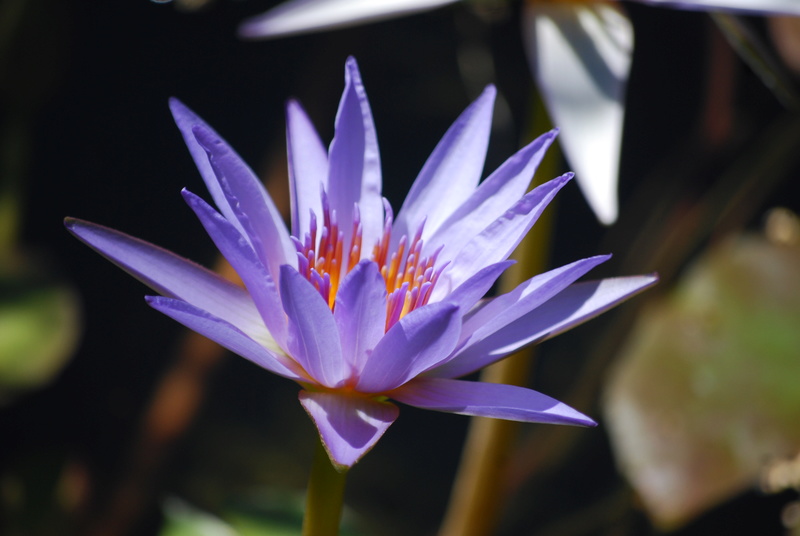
[(325, 496), (480, 489)]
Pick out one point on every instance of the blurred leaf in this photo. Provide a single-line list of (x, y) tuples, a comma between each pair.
[(39, 326), (184, 520), (268, 513), (706, 390)]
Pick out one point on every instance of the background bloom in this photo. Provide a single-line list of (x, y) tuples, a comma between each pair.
[(357, 305), (580, 54)]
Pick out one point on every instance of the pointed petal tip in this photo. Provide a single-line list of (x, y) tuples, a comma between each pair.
[(174, 102), (351, 66)]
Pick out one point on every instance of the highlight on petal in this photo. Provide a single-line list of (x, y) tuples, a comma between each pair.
[(240, 254), (747, 7), (473, 289), (305, 16), (481, 399), (348, 425), (225, 334), (496, 242), (504, 187), (581, 56), (413, 345), (174, 276), (571, 307), (307, 161), (313, 338), (452, 171), (354, 166), (506, 308), (187, 120), (250, 202), (360, 313)]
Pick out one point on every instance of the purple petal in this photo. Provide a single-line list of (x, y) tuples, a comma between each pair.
[(575, 305), (313, 339), (581, 56), (225, 334), (304, 16), (186, 120), (419, 341), (476, 287), (499, 401), (354, 167), (251, 203), (502, 310), (360, 312), (173, 276), (452, 171), (240, 254), (494, 195), (308, 167), (747, 7), (348, 425), (496, 242)]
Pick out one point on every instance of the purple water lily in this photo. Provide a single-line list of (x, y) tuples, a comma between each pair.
[(359, 306)]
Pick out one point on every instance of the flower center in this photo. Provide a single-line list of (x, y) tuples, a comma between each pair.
[(409, 276)]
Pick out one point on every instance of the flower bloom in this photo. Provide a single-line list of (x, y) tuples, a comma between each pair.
[(359, 306)]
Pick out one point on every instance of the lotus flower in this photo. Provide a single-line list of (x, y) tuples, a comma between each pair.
[(580, 53), (360, 307)]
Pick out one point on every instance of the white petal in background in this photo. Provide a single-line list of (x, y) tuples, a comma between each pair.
[(581, 57), (754, 7), (304, 16)]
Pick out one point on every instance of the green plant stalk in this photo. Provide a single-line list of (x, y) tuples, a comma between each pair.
[(325, 496), (480, 490)]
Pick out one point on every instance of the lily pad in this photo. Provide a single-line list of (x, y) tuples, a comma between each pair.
[(706, 390), (39, 327)]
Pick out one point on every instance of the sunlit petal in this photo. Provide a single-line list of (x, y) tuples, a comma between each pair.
[(581, 55)]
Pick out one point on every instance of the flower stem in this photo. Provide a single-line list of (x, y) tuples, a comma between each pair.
[(325, 496), (480, 490)]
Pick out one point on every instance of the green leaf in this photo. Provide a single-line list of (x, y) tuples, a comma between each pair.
[(39, 327)]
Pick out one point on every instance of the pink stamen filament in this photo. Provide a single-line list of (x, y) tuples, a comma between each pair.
[(409, 277)]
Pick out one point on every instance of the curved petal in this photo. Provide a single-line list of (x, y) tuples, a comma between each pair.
[(251, 203), (238, 252), (502, 310), (416, 343), (226, 335), (307, 162), (488, 202), (313, 339), (173, 276), (451, 173), (354, 167), (574, 305), (496, 242), (186, 120), (304, 16), (748, 7), (473, 289), (360, 313), (581, 57), (348, 425), (481, 399)]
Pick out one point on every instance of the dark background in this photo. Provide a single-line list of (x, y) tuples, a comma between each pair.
[(93, 79)]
